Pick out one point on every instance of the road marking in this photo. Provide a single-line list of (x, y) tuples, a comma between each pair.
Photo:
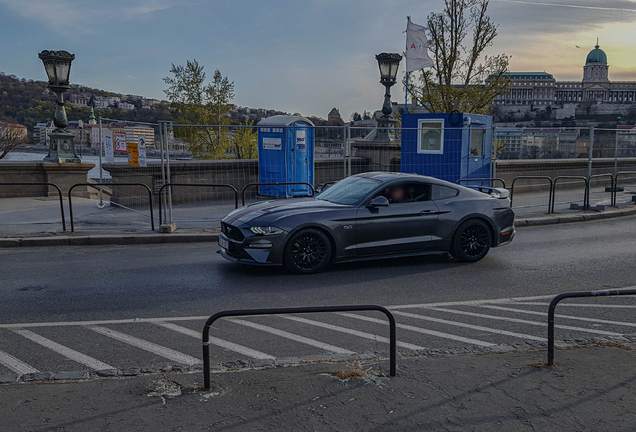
[(102, 322), (521, 321), (562, 316), (351, 332), (611, 306), (16, 365), (472, 302), (67, 352), (248, 352), (146, 346), (291, 336), (471, 326)]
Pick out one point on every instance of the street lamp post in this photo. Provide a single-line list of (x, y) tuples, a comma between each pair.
[(58, 69), (388, 64)]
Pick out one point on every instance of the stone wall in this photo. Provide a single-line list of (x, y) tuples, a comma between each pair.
[(62, 174)]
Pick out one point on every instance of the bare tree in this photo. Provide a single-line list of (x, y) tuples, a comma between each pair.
[(11, 136), (462, 78)]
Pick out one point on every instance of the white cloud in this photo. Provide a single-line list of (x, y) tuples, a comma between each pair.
[(70, 17)]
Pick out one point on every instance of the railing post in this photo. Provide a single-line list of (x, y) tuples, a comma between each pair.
[(205, 336)]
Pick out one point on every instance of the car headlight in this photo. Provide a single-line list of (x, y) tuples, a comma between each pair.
[(266, 230)]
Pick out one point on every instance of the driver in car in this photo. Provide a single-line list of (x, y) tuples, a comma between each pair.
[(397, 194)]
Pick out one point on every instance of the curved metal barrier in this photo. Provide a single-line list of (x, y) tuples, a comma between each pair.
[(512, 188), (585, 191), (313, 191), (59, 192), (296, 310), (618, 174), (221, 185), (555, 301), (97, 186), (612, 186), (491, 180)]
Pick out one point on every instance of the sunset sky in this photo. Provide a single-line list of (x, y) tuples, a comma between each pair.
[(293, 55)]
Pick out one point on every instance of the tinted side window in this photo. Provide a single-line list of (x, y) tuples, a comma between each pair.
[(408, 192), (443, 192)]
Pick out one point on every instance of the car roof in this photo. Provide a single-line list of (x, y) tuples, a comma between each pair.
[(388, 176)]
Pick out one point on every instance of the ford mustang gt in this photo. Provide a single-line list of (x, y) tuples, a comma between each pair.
[(368, 216)]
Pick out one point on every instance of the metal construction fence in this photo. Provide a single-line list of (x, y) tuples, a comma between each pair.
[(583, 164)]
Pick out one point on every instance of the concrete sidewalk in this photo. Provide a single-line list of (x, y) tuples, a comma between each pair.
[(38, 222), (590, 388)]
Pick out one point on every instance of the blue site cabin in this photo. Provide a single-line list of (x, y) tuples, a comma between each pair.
[(448, 146), (285, 154)]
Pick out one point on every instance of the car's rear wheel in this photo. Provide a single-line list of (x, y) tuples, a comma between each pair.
[(307, 251), (471, 241)]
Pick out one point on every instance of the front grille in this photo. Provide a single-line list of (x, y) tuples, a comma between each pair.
[(232, 232)]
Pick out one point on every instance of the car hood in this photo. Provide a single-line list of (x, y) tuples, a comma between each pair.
[(272, 211)]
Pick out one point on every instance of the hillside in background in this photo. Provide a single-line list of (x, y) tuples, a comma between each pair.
[(30, 102)]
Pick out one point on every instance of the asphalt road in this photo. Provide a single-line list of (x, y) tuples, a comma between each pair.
[(69, 284)]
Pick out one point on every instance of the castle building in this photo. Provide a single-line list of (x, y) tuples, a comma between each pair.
[(540, 90)]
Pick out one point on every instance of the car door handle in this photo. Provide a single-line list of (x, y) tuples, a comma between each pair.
[(427, 212)]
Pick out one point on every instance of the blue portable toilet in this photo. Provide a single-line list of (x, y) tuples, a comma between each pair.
[(285, 155), (448, 146)]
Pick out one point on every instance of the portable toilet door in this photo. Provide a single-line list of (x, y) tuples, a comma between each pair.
[(479, 141), (302, 161)]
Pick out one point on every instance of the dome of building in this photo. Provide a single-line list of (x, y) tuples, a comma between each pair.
[(597, 55)]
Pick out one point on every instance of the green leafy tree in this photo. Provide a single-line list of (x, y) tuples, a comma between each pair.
[(461, 78), (244, 142), (193, 101)]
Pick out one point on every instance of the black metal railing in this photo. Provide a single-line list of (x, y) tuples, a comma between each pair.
[(97, 186), (492, 181), (296, 310), (555, 301), (313, 191), (611, 190), (585, 191), (217, 185), (618, 175), (59, 193), (549, 179)]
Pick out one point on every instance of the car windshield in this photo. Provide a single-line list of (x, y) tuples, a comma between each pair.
[(349, 191)]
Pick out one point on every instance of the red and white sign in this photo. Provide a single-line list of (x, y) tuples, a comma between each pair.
[(120, 142)]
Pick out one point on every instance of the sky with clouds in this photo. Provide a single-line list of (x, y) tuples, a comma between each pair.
[(302, 56)]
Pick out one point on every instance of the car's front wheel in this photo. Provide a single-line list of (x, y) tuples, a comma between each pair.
[(307, 251), (472, 241)]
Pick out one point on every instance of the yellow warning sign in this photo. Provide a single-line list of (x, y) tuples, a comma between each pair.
[(133, 154)]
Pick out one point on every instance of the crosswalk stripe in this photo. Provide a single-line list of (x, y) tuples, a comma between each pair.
[(421, 330), (291, 336), (583, 305), (67, 352), (16, 365), (471, 326), (146, 346), (596, 320), (351, 332), (521, 321), (472, 302), (248, 352)]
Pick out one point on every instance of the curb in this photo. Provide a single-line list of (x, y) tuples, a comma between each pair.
[(109, 239), (570, 218), (626, 342)]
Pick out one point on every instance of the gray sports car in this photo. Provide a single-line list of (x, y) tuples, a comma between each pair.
[(369, 216)]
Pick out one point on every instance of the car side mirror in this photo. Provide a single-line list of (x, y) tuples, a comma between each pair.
[(379, 201)]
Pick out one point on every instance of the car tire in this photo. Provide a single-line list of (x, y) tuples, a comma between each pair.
[(307, 251), (471, 241)]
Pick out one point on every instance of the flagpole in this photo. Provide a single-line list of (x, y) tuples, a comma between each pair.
[(406, 94)]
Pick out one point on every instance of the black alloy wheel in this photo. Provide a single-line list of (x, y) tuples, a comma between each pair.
[(472, 241), (307, 251)]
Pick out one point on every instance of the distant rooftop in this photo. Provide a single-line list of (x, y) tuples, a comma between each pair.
[(530, 75)]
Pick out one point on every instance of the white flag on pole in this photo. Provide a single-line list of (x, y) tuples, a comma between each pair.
[(416, 47)]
